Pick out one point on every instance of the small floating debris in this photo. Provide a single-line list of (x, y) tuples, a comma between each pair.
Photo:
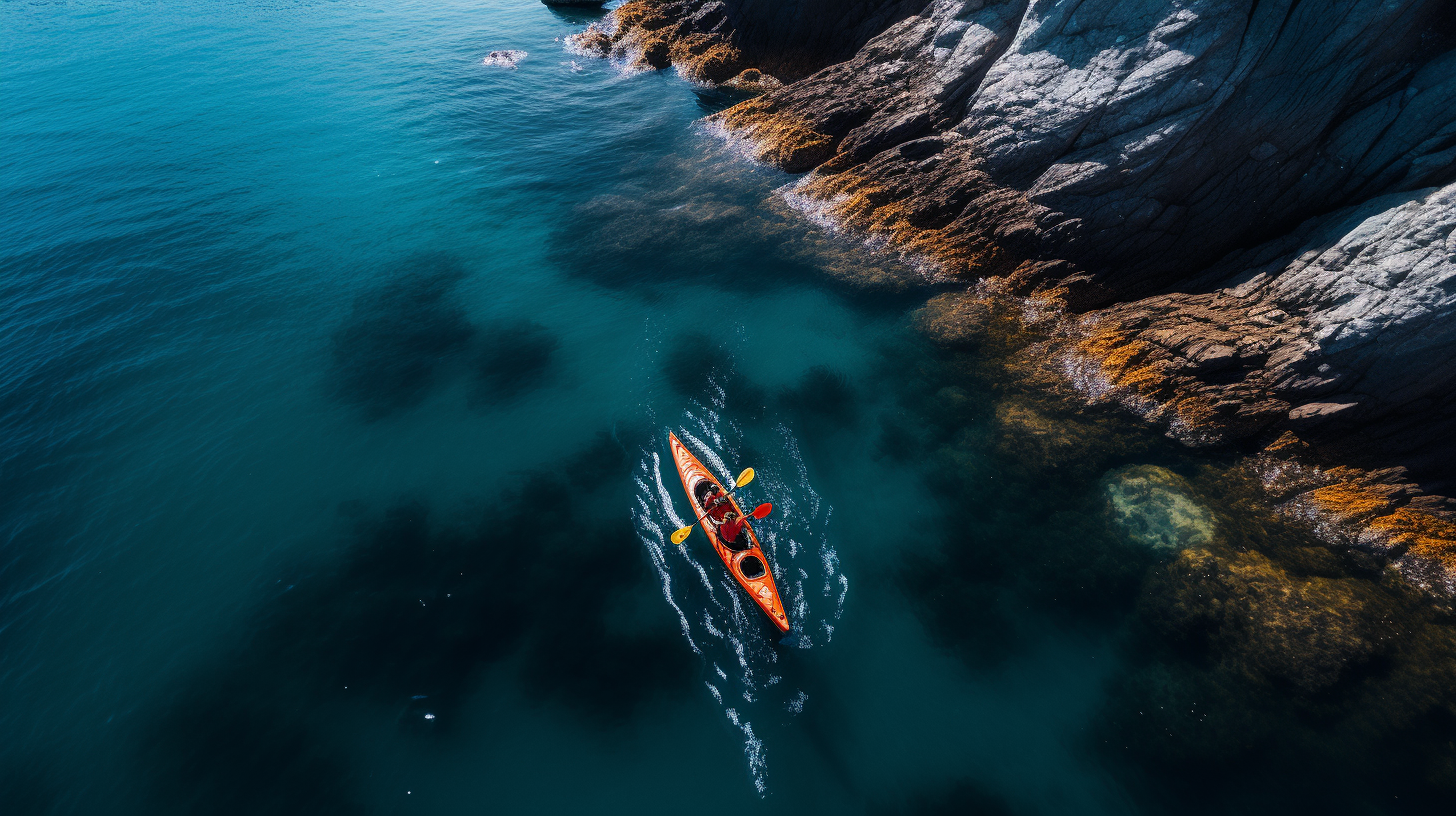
[(504, 59), (429, 716)]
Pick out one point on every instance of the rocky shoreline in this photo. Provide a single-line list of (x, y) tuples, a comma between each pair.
[(1240, 215)]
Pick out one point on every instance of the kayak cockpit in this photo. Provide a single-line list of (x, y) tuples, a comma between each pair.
[(752, 567)]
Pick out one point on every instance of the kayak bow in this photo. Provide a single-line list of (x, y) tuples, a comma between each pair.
[(748, 566)]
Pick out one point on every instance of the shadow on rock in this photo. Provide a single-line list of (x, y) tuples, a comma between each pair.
[(577, 14), (513, 358), (388, 353), (407, 621)]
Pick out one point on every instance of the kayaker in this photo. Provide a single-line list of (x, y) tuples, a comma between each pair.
[(715, 504), (731, 529)]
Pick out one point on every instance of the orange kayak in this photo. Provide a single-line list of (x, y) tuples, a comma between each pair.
[(747, 564)]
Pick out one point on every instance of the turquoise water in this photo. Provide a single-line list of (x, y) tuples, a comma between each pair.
[(338, 371)]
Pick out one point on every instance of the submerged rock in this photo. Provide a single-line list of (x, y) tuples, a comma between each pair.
[(503, 59), (1154, 507), (1265, 623)]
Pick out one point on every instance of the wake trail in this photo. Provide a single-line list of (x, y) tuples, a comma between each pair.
[(734, 639)]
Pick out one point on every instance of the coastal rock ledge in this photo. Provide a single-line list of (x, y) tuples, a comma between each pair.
[(1244, 209)]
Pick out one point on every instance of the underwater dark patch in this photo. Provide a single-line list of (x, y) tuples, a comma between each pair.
[(1008, 549), (898, 440), (513, 358), (697, 366), (962, 608), (28, 786), (229, 744), (823, 398), (693, 362), (548, 575), (626, 242), (1023, 540), (965, 798), (388, 352)]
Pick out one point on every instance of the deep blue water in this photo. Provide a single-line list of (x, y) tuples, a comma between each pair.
[(337, 373)]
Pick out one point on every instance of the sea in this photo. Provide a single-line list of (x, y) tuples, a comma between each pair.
[(341, 343)]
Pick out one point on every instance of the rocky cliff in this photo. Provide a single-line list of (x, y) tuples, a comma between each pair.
[(1244, 208)]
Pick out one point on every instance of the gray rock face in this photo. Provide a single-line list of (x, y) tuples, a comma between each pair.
[(1259, 195), (1150, 136), (1146, 143), (1344, 324), (1377, 287)]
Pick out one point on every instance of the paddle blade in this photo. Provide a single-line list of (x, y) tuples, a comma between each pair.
[(762, 510), (682, 535), (744, 478)]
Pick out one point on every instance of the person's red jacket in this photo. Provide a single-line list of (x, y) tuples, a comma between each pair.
[(729, 531), (717, 512)]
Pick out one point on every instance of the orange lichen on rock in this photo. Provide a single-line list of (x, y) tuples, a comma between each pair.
[(958, 236), (651, 35), (1351, 500), (1121, 357), (780, 140), (862, 204), (706, 58), (1287, 442), (1194, 361), (1424, 535), (1376, 511)]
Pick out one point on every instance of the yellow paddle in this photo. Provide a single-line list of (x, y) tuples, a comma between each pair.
[(743, 478)]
